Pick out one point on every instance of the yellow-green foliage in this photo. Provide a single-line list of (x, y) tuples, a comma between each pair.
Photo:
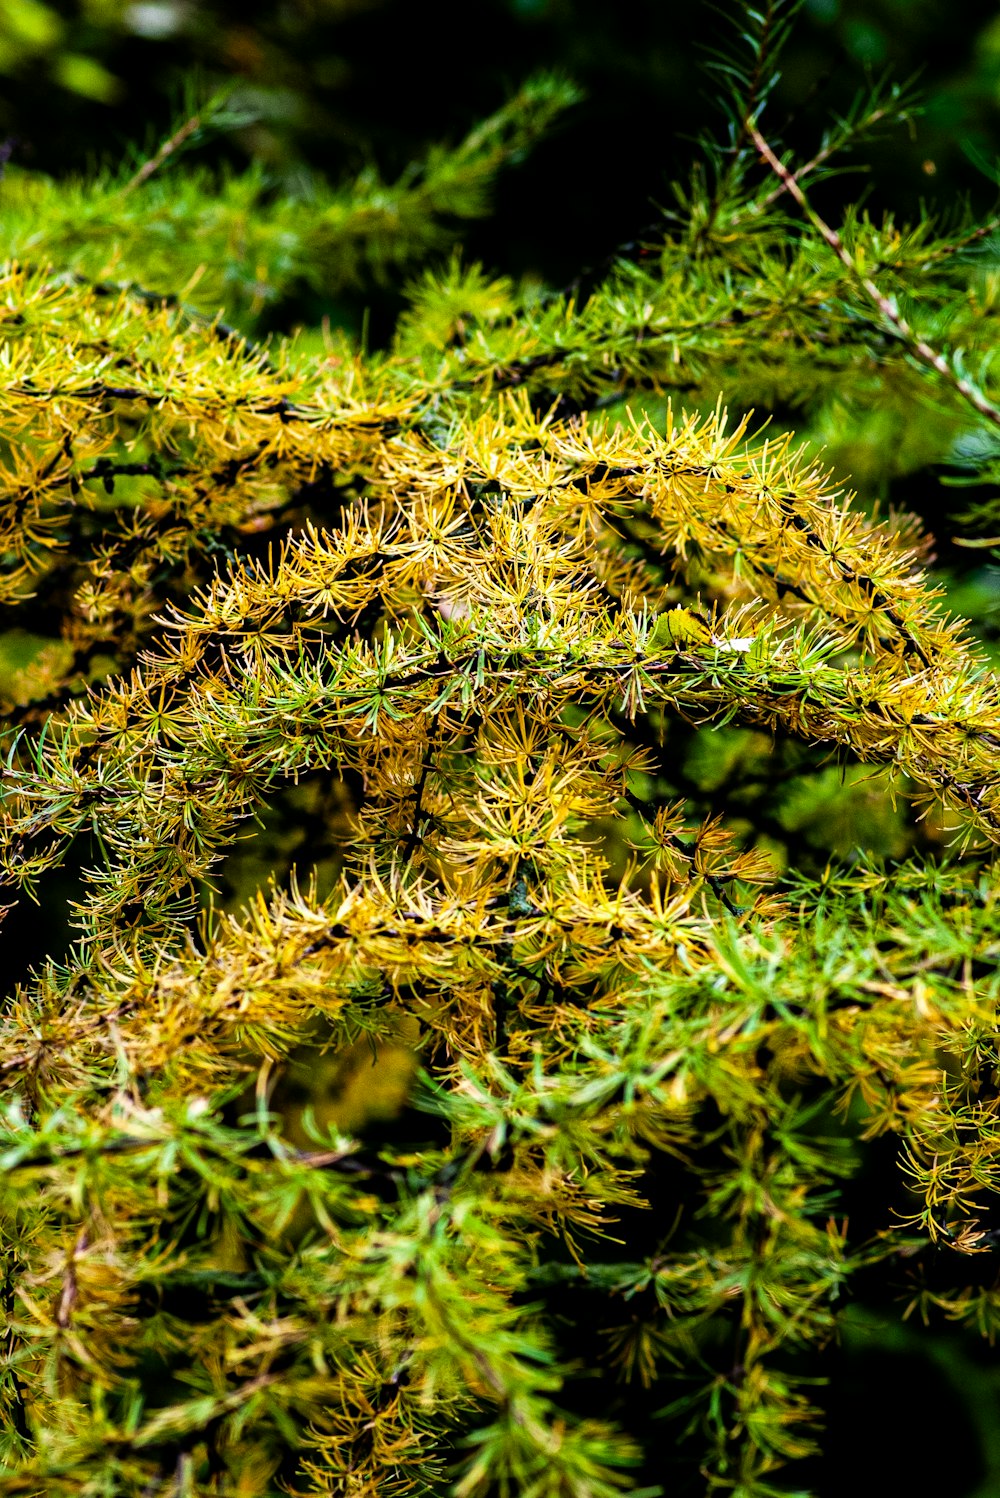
[(547, 653)]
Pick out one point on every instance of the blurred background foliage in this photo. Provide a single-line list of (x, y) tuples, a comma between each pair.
[(327, 89), (332, 85)]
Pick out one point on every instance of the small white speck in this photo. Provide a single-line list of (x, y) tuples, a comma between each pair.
[(742, 645)]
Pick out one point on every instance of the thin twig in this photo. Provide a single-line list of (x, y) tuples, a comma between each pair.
[(967, 240), (921, 349), (166, 150), (820, 159), (67, 1300), (413, 837)]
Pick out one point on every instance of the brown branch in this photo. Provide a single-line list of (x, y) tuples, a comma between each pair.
[(918, 346), (973, 237), (166, 150), (67, 1300), (814, 163)]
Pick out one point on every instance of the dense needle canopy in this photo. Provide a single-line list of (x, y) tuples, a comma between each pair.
[(527, 828)]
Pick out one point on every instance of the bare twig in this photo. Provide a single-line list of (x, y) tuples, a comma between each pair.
[(815, 162), (167, 149), (918, 346), (67, 1300)]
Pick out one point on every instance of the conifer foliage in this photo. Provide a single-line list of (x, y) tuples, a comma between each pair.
[(465, 613)]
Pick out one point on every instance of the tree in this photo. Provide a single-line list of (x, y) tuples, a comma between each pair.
[(551, 1041)]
